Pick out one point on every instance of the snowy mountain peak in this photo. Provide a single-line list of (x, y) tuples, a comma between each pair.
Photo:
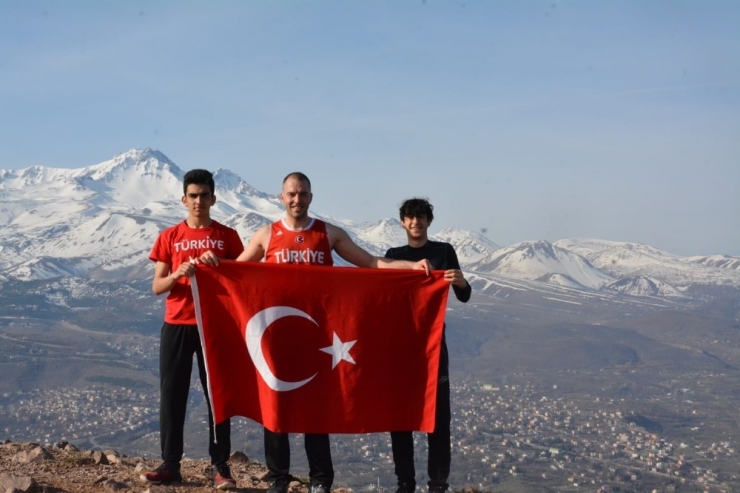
[(228, 180), (390, 222), (28, 177), (142, 162), (540, 260), (721, 261), (147, 154), (623, 259), (385, 233), (384, 226), (643, 286), (135, 178), (616, 251), (470, 247)]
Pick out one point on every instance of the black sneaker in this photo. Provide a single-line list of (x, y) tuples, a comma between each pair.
[(280, 485), (406, 488), (438, 488), (164, 474), (222, 479)]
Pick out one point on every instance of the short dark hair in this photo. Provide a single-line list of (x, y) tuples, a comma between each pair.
[(416, 207), (198, 177), (299, 176)]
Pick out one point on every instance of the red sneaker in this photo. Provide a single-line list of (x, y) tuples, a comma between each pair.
[(164, 474), (222, 480)]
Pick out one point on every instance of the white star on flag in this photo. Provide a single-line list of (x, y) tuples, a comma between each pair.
[(339, 351)]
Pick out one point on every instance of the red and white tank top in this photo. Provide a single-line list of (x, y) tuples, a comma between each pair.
[(310, 245)]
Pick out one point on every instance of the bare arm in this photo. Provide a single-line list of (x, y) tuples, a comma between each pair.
[(164, 281), (256, 247), (352, 253)]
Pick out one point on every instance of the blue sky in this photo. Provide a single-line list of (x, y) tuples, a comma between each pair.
[(616, 120)]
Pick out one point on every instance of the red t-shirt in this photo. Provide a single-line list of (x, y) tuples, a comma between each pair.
[(310, 245), (179, 244)]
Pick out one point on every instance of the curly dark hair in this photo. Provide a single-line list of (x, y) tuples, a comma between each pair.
[(416, 207)]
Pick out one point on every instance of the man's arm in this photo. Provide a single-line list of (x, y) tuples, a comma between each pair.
[(352, 253), (164, 281), (256, 247), (454, 276), (460, 286)]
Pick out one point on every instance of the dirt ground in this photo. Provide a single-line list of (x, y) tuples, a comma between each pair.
[(28, 467)]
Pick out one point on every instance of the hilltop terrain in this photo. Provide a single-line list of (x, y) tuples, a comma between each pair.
[(29, 467), (62, 467)]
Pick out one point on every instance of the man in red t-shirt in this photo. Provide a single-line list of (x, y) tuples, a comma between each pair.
[(300, 239), (176, 251)]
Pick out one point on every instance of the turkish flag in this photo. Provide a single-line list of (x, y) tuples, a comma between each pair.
[(315, 349)]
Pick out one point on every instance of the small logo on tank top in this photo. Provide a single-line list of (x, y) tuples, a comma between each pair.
[(299, 239)]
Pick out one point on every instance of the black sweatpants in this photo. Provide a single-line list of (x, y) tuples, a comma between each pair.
[(318, 452), (177, 345), (439, 459)]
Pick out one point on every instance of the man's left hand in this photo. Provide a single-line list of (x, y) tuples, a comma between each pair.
[(455, 277), (208, 258)]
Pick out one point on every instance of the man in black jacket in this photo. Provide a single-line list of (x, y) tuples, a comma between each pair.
[(416, 216)]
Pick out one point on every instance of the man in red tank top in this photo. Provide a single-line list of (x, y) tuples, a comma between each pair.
[(309, 245), (300, 239)]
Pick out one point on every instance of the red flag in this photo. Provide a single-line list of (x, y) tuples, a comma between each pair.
[(313, 349)]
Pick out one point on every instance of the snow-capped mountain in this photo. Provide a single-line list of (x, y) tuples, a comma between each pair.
[(721, 261), (470, 247), (541, 260), (387, 233), (247, 223), (622, 259), (100, 222), (384, 234), (643, 286)]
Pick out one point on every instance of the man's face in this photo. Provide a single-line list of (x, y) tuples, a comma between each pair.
[(416, 227), (296, 197), (198, 199)]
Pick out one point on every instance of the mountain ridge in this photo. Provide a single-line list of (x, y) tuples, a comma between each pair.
[(99, 221)]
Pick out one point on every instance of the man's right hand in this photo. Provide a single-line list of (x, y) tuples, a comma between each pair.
[(186, 269), (422, 264)]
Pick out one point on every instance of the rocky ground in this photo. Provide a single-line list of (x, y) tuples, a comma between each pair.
[(31, 468)]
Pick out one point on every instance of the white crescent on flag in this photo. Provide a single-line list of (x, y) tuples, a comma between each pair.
[(256, 328)]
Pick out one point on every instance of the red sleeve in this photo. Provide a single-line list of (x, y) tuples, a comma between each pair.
[(160, 251), (236, 247)]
